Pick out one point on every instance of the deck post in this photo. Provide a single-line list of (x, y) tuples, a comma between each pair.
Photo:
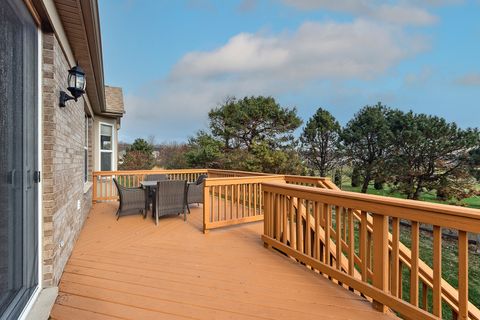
[(380, 257), (94, 186), (206, 207)]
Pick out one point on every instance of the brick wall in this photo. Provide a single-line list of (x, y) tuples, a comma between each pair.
[(63, 161)]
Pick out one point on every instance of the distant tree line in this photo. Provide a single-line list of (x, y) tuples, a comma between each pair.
[(409, 152)]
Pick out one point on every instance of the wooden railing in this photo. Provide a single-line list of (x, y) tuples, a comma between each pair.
[(231, 201), (104, 188), (346, 237), (449, 293), (319, 182), (237, 197), (218, 173)]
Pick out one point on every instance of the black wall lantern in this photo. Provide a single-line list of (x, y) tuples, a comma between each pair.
[(76, 85)]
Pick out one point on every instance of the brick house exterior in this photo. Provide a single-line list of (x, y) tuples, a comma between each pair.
[(68, 147)]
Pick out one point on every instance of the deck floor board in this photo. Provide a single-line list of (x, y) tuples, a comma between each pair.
[(131, 269)]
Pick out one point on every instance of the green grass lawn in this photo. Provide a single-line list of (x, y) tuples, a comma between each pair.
[(473, 202)]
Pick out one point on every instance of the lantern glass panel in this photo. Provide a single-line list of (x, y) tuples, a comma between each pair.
[(80, 81), (72, 80)]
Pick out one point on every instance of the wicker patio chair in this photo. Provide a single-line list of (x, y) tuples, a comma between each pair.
[(170, 198), (156, 177), (195, 191), (132, 200)]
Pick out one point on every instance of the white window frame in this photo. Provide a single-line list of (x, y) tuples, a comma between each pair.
[(100, 150)]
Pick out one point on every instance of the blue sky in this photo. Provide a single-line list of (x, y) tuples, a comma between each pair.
[(178, 59)]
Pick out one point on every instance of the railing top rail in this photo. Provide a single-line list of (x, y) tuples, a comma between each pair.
[(305, 178), (242, 180), (251, 173), (140, 172), (461, 218)]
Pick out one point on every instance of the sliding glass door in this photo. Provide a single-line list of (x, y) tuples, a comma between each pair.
[(18, 158)]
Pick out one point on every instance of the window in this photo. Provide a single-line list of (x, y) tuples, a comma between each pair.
[(85, 151), (106, 143)]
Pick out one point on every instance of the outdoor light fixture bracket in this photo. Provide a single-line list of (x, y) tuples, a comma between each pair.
[(64, 97), (76, 85)]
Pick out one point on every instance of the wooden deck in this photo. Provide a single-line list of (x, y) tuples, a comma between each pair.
[(130, 269)]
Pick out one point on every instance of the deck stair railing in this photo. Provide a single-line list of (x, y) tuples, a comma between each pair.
[(346, 236)]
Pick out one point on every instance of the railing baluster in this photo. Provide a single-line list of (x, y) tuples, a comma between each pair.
[(380, 261), (237, 199), (414, 263), (328, 223), (293, 239), (249, 200), (400, 279), (278, 217), (462, 275), (243, 199), (308, 234), (437, 271), (225, 197), (212, 203), (351, 243), (395, 255), (284, 218), (424, 296), (369, 251), (338, 231), (299, 226), (232, 195), (219, 207), (266, 213), (316, 210), (363, 245), (255, 211)]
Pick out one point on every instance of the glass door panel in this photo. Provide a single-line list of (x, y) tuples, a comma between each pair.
[(18, 145)]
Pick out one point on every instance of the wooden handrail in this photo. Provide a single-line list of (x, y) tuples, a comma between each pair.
[(143, 172), (453, 217), (242, 180), (463, 219)]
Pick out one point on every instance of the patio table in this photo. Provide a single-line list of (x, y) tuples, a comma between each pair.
[(149, 186)]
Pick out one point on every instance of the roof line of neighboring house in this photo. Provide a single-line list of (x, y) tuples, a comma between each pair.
[(76, 25)]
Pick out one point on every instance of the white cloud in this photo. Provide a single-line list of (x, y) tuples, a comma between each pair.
[(266, 64), (471, 79), (359, 49), (403, 13), (246, 6), (420, 78)]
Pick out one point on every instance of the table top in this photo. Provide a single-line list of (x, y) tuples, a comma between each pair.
[(148, 183)]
